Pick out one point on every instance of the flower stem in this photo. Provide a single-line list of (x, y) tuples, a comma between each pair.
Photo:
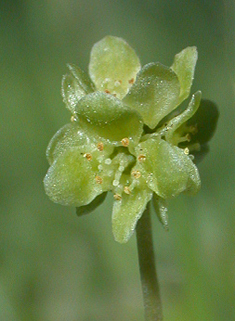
[(150, 287)]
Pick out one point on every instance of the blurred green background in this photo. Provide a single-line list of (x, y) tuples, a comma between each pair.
[(54, 266)]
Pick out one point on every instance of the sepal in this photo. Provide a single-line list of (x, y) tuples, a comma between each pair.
[(87, 209), (184, 67), (107, 118), (154, 94), (168, 171), (70, 135), (127, 211), (75, 85), (113, 66)]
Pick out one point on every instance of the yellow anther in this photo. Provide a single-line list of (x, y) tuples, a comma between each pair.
[(125, 142), (98, 179), (117, 197), (136, 174), (88, 156), (141, 158), (127, 190), (100, 146), (186, 151)]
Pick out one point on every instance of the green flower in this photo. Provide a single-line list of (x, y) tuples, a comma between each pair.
[(128, 135)]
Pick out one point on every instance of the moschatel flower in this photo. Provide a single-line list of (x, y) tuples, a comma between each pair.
[(128, 135)]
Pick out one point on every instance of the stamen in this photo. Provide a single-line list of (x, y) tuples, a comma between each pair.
[(136, 174), (88, 156), (188, 137), (98, 179), (141, 158), (117, 197), (127, 190), (100, 146), (125, 142)]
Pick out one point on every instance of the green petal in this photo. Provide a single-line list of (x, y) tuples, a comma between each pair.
[(154, 94), (184, 66), (113, 65), (160, 207), (107, 118), (177, 121), (127, 211), (168, 171), (70, 135), (75, 86), (87, 209), (72, 179)]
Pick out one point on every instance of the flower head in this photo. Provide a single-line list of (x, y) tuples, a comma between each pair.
[(128, 135)]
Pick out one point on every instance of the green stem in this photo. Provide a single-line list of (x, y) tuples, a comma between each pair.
[(150, 287)]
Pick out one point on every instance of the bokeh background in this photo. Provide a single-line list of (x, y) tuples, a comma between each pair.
[(57, 267)]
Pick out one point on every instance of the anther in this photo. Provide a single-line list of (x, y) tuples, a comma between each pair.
[(186, 151), (141, 158), (127, 190), (98, 179), (125, 142), (100, 146), (136, 174), (131, 81), (117, 197), (107, 91), (88, 156)]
